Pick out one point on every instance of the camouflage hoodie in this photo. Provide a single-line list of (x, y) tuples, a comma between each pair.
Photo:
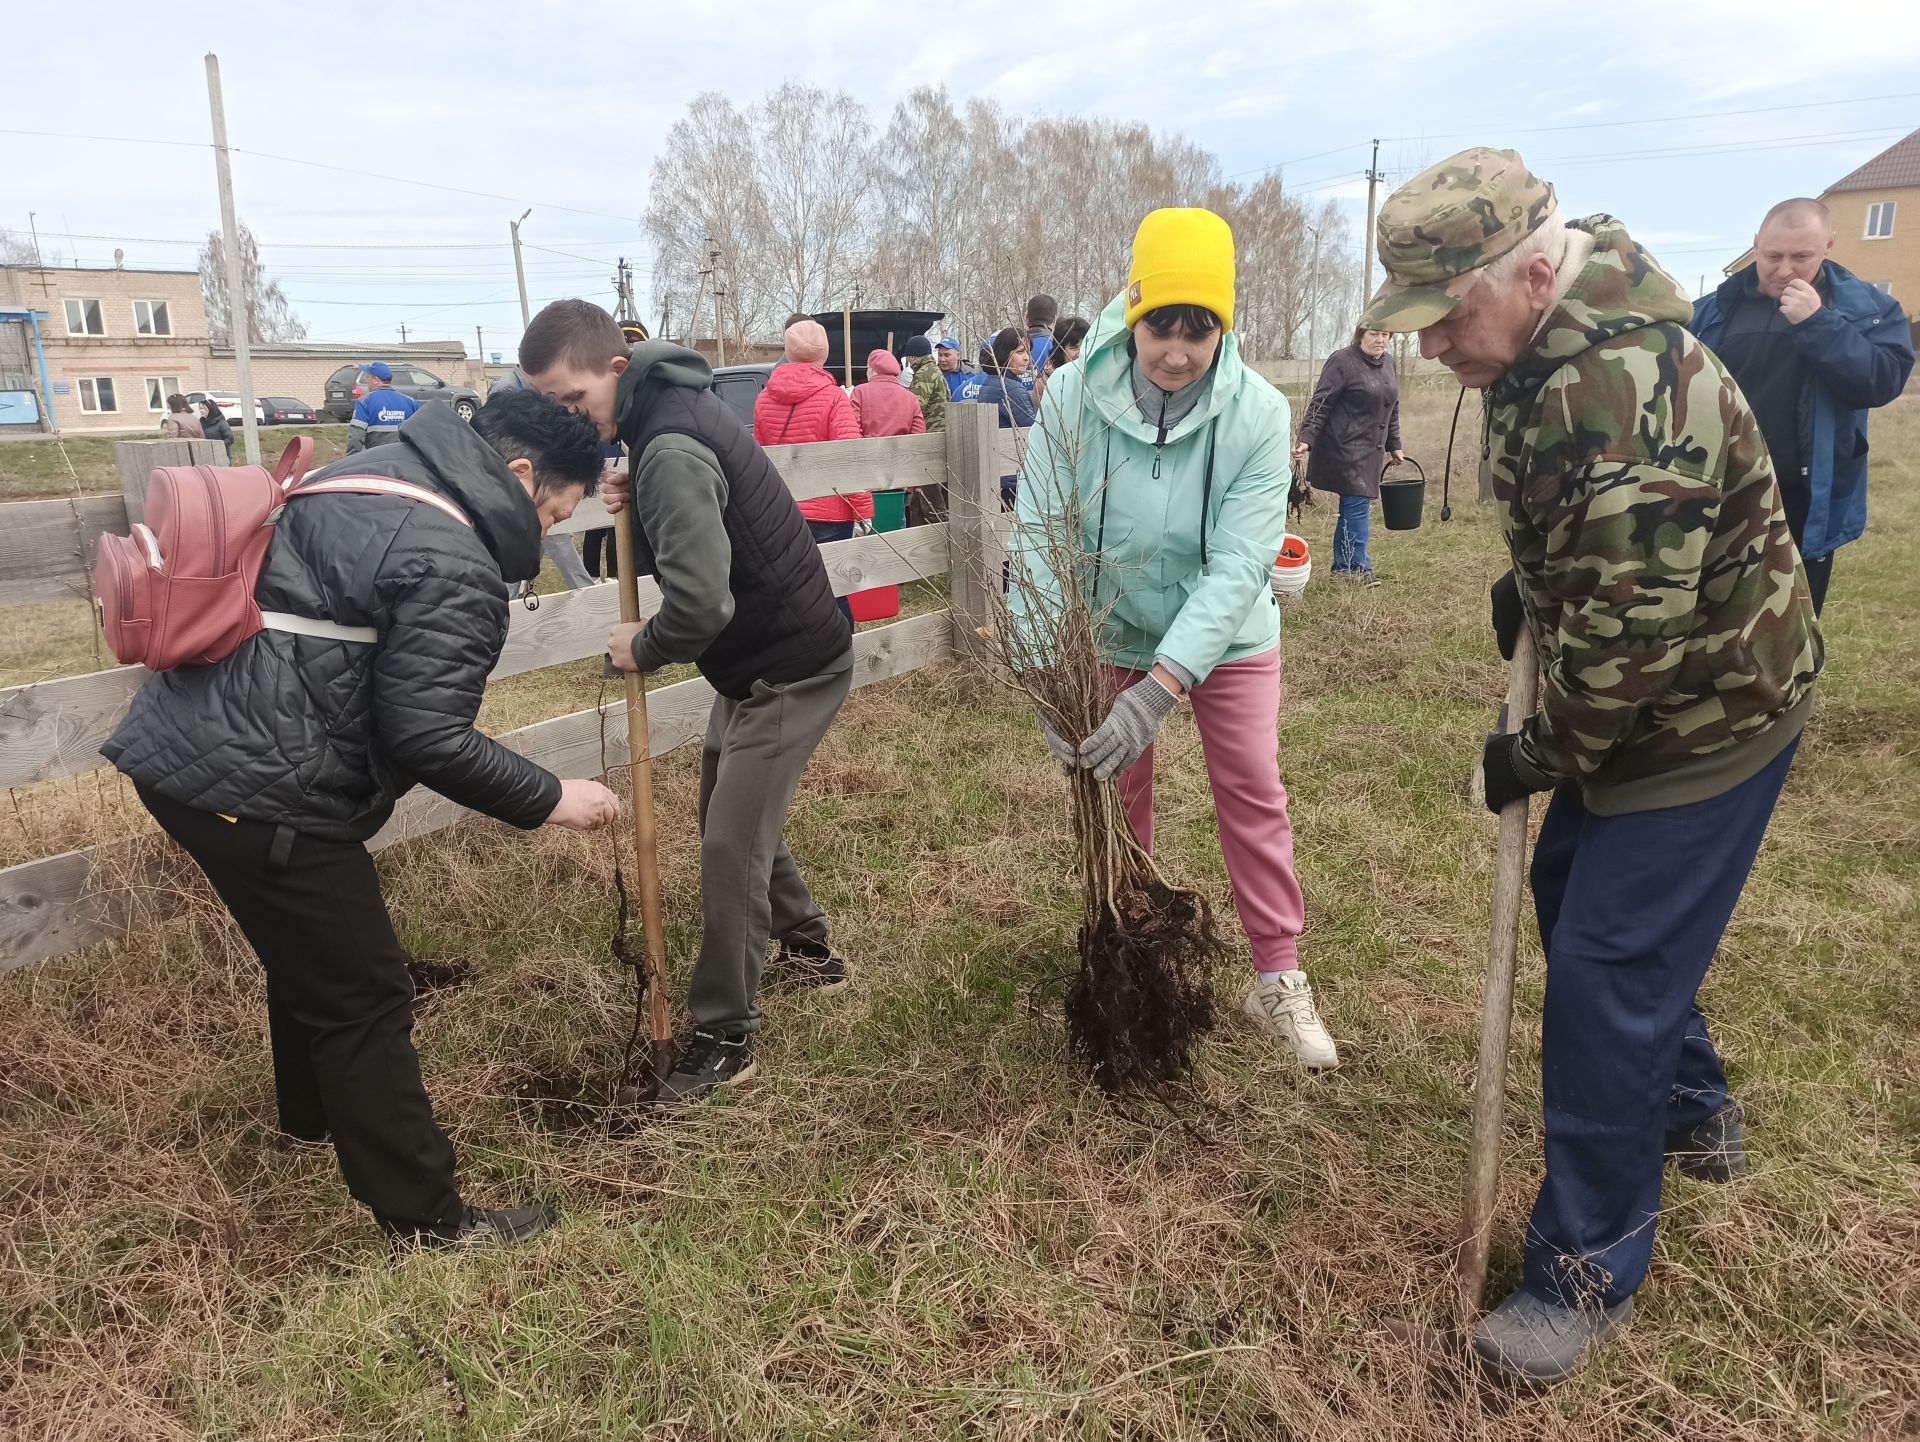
[(1677, 641), (930, 389)]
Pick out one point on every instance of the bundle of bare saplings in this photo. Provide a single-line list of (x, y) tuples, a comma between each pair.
[(1141, 997)]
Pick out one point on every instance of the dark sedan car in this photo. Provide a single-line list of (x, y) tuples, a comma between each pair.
[(286, 411)]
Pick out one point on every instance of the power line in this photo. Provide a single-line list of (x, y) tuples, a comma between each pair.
[(320, 244), (324, 165), (1670, 119)]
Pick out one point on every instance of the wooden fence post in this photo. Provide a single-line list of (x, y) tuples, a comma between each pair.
[(136, 460), (973, 520)]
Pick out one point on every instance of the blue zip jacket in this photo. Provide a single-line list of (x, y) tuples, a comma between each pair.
[(377, 417), (1858, 348), (963, 385)]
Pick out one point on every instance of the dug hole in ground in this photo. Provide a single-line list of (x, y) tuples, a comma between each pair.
[(923, 1221)]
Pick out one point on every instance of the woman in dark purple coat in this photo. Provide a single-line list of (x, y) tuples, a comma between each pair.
[(1352, 426)]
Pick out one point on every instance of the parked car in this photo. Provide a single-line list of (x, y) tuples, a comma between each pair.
[(740, 387), (286, 411), (229, 403), (343, 389)]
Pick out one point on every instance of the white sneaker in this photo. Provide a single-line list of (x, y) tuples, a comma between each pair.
[(1285, 1009)]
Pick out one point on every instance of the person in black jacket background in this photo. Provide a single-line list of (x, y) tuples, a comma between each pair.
[(1352, 427), (273, 766), (744, 595)]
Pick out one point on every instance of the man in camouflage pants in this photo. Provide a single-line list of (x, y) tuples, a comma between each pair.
[(1653, 565)]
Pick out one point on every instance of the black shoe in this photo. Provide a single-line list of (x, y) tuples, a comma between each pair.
[(712, 1060), (804, 966), (1714, 1151), (482, 1227)]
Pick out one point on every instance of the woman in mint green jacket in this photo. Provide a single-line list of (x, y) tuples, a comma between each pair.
[(1174, 456)]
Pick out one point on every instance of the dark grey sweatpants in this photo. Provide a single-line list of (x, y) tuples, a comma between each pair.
[(756, 752)]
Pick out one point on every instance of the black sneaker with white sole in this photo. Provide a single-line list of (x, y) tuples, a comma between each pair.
[(713, 1059), (801, 965), (481, 1227)]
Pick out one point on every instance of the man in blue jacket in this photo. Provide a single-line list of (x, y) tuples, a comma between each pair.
[(1814, 348), (379, 414)]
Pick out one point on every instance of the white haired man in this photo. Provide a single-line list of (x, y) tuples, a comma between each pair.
[(1814, 348), (1653, 566)]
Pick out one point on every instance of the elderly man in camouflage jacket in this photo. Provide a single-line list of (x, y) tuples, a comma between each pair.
[(1653, 565)]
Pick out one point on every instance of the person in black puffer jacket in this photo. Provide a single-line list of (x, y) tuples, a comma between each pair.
[(744, 595), (273, 766)]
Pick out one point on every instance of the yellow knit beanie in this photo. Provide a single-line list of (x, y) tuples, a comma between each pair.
[(1181, 257)]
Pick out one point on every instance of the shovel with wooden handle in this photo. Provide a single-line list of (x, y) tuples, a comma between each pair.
[(1496, 1009), (646, 833), (1496, 1026)]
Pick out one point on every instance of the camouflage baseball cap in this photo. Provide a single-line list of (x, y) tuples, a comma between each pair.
[(1440, 227)]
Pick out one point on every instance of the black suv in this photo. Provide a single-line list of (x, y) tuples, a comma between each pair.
[(740, 387), (343, 389)]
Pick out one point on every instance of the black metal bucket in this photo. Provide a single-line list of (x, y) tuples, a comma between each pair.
[(1402, 501)]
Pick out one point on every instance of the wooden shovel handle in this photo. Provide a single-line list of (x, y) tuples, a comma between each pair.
[(646, 831), (1496, 1011)]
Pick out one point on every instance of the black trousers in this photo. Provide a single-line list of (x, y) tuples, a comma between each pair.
[(597, 546), (339, 1005)]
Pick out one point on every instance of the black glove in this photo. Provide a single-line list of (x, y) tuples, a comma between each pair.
[(1507, 777), (1508, 614)]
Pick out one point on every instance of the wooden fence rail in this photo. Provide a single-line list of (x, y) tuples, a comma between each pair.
[(46, 547), (54, 728)]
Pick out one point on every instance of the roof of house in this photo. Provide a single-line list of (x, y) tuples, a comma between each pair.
[(1897, 165)]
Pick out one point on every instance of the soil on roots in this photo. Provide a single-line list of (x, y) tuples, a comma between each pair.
[(1141, 999)]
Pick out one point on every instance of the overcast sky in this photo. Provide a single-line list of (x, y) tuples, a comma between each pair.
[(563, 106)]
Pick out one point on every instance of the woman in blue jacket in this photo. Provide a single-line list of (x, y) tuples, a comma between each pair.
[(1007, 361), (1173, 454)]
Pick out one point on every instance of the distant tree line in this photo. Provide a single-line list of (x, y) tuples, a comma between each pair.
[(801, 202)]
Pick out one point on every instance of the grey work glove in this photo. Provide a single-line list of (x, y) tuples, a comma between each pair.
[(1123, 738), (1063, 750)]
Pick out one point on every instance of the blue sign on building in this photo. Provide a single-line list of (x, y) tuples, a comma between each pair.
[(61, 388)]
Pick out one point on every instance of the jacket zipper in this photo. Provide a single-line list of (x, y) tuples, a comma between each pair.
[(220, 526)]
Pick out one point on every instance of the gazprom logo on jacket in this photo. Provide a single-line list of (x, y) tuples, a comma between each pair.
[(390, 415)]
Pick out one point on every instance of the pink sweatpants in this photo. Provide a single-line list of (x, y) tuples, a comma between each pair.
[(1237, 709)]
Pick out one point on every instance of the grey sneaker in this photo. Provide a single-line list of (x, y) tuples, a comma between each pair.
[(1716, 1150), (1527, 1338), (713, 1059), (482, 1227), (804, 966)]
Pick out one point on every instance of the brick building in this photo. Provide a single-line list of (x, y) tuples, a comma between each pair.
[(117, 342)]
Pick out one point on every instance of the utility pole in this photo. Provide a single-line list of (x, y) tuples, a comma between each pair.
[(479, 350), (699, 299), (239, 313), (624, 310), (520, 270), (1373, 209), (719, 325), (403, 332)]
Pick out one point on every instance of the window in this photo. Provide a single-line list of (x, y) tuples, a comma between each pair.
[(159, 388), (150, 317), (96, 395), (1879, 220), (84, 318), (424, 378)]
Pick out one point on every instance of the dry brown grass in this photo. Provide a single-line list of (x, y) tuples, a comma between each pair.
[(922, 1223)]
